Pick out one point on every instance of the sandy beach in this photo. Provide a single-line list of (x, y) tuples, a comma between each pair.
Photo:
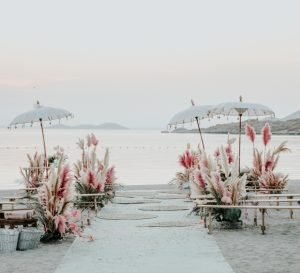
[(245, 250)]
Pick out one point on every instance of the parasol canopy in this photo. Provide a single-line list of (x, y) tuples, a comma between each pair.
[(40, 114), (241, 109), (190, 115)]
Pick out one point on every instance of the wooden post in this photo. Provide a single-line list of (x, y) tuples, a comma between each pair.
[(95, 203), (263, 226), (209, 221), (88, 219), (255, 218), (291, 203), (205, 218)]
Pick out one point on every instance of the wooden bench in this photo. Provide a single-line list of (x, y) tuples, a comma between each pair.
[(18, 222), (267, 190), (94, 203), (262, 208)]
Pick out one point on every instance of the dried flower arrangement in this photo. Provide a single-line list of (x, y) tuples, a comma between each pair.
[(262, 175), (34, 174), (219, 176), (188, 161), (93, 176), (54, 203), (57, 156)]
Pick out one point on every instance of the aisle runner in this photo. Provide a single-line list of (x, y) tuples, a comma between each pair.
[(129, 246)]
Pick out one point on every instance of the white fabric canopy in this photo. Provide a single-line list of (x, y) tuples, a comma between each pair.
[(241, 108), (40, 113), (190, 114)]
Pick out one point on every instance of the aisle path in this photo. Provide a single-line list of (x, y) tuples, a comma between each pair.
[(123, 246)]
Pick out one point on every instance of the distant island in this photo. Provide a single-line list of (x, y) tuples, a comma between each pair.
[(103, 126), (289, 125), (279, 127)]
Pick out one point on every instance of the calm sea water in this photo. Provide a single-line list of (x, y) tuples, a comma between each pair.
[(140, 157)]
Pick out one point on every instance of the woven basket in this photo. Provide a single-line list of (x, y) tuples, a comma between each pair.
[(8, 240), (29, 238)]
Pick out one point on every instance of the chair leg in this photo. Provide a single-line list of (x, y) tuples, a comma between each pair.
[(263, 226), (88, 218), (209, 221), (255, 218), (291, 211), (95, 204)]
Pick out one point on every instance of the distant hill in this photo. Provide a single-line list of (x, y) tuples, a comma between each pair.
[(293, 116), (279, 127), (103, 126)]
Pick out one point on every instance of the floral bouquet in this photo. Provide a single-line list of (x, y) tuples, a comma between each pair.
[(188, 161), (93, 176), (262, 174), (219, 176), (34, 174), (54, 202), (57, 156)]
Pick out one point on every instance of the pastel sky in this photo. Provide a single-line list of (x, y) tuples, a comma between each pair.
[(139, 62)]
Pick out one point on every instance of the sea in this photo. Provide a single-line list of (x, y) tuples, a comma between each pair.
[(141, 157)]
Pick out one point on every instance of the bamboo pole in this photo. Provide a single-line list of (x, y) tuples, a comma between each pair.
[(240, 142), (200, 132)]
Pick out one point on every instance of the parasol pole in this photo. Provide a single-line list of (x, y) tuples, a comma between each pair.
[(240, 141), (44, 143), (199, 128)]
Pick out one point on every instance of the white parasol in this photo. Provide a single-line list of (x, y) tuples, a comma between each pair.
[(241, 109), (40, 114), (190, 115)]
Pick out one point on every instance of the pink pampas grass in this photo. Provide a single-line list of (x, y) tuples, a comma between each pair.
[(94, 140), (217, 153), (199, 179), (60, 224), (250, 133), (75, 230), (90, 180), (266, 134), (110, 175), (65, 178), (187, 160)]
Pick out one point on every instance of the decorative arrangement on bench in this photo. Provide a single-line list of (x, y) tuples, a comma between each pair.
[(219, 176), (57, 157), (262, 175), (54, 207), (93, 176), (34, 174)]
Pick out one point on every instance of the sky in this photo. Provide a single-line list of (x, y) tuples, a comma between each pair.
[(139, 62)]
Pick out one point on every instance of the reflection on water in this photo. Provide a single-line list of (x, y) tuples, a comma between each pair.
[(140, 157)]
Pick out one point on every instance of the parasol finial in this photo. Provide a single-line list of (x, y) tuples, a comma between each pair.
[(193, 103), (241, 99)]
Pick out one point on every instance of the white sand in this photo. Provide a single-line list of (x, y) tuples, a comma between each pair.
[(245, 250), (43, 259), (126, 247), (278, 251)]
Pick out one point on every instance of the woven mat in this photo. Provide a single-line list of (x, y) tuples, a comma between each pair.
[(134, 194), (169, 224), (174, 192), (128, 201), (167, 197), (164, 208), (128, 216)]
